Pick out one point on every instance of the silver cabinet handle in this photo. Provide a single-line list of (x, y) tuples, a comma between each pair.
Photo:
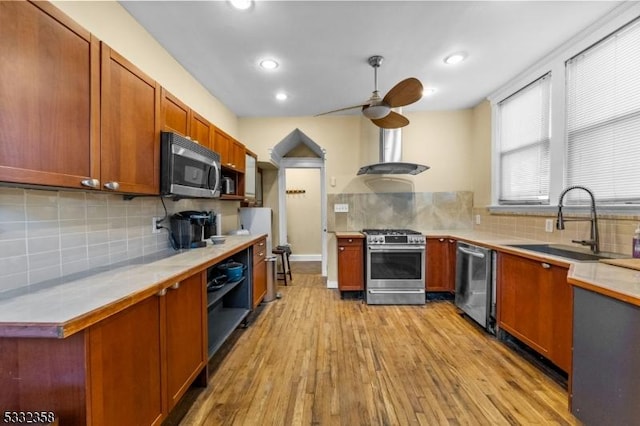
[(546, 265), (175, 286), (161, 292), (350, 240), (261, 244), (452, 241), (341, 248), (91, 183), (471, 253), (114, 186), (441, 239)]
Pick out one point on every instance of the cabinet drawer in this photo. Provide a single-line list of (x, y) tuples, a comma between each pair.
[(350, 241), (259, 251)]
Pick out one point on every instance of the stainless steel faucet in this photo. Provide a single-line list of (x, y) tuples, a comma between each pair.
[(594, 241)]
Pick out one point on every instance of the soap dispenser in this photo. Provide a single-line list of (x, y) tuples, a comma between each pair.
[(635, 249)]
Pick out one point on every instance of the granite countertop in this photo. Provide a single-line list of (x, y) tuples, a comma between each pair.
[(349, 234), (61, 308)]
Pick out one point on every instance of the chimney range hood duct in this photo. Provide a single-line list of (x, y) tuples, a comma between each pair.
[(391, 156)]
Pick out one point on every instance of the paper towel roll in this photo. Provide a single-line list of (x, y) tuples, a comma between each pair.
[(218, 223)]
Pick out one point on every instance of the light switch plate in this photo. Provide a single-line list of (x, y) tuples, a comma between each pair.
[(477, 219), (341, 208)]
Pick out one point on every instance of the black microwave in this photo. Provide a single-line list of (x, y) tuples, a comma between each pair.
[(187, 169)]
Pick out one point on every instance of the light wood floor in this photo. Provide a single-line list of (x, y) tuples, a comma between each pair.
[(311, 358)]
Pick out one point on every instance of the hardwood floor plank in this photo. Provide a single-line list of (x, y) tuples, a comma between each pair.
[(312, 358)]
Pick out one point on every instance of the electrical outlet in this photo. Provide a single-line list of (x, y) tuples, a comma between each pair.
[(155, 226), (477, 219), (341, 208), (548, 225)]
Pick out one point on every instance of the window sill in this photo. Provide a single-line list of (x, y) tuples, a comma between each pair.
[(613, 211)]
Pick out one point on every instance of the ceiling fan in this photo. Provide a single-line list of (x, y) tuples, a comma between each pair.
[(378, 109)]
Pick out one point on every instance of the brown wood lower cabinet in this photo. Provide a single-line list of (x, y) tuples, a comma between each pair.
[(259, 271), (129, 369), (440, 264), (535, 306), (351, 263)]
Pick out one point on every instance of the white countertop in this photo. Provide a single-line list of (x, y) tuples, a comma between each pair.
[(62, 309)]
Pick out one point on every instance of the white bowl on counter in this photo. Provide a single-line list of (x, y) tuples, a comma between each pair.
[(218, 239)]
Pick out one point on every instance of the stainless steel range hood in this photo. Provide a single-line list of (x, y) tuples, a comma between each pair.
[(391, 156)]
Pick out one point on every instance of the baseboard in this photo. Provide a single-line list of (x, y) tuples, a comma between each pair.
[(305, 258), (332, 284)]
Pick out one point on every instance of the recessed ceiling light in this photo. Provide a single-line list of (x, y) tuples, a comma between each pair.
[(455, 58), (429, 91), (269, 64), (241, 4), (281, 96)]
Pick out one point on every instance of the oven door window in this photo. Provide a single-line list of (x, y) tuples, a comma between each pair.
[(193, 173), (396, 265)]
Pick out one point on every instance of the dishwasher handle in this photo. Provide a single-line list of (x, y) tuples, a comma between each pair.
[(471, 253)]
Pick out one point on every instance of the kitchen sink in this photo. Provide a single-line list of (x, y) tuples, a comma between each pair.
[(563, 251)]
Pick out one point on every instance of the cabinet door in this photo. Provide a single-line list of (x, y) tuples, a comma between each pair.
[(222, 145), (125, 366), (259, 282), (438, 271), (525, 292), (200, 130), (130, 146), (185, 331), (350, 264), (239, 152), (175, 114), (49, 97)]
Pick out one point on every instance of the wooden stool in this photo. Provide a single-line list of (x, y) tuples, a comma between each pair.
[(284, 252)]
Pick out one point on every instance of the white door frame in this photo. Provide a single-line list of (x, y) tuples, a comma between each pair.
[(302, 163)]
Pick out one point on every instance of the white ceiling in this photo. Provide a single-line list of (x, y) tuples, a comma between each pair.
[(323, 46)]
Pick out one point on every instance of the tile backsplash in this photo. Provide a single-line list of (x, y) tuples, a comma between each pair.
[(50, 234), (411, 210), (616, 232)]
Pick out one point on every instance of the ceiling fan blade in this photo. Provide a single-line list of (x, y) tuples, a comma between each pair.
[(391, 121), (342, 109), (404, 93)]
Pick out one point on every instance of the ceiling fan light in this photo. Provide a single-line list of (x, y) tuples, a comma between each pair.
[(376, 112)]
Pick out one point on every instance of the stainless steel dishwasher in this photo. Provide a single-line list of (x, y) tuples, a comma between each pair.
[(475, 284)]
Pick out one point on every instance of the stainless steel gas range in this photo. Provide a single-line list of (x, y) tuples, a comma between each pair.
[(395, 267)]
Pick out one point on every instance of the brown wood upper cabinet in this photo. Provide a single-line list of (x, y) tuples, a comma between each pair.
[(201, 130), (130, 130), (175, 114), (441, 264), (49, 97), (232, 152), (535, 305)]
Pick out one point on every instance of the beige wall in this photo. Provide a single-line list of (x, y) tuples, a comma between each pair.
[(440, 139), (112, 24), (481, 154), (303, 212)]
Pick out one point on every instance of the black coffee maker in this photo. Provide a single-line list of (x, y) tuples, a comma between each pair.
[(191, 229)]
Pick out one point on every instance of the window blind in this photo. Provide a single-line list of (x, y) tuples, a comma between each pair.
[(524, 139), (603, 118)]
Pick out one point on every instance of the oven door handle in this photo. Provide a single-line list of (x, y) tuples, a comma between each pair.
[(396, 248), (471, 253), (395, 291)]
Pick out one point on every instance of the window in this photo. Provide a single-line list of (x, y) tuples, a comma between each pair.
[(603, 117), (524, 142)]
